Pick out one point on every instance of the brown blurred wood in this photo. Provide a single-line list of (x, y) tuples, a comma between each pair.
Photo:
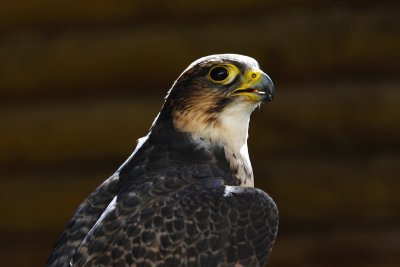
[(16, 15), (311, 148), (56, 131), (307, 146), (352, 192), (44, 201), (345, 247), (81, 81), (339, 119), (292, 46)]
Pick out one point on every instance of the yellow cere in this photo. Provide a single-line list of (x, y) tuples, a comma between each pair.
[(251, 77), (247, 89)]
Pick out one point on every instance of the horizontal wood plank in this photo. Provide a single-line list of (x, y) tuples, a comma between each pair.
[(308, 195), (342, 119), (346, 247), (17, 15), (81, 81), (333, 44)]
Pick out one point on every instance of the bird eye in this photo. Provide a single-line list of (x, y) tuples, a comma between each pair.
[(219, 74)]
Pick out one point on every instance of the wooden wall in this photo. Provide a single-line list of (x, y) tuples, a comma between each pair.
[(80, 82)]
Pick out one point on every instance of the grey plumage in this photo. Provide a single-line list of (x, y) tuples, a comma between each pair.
[(177, 201)]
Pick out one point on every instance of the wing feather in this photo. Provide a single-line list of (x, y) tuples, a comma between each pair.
[(82, 221), (201, 224)]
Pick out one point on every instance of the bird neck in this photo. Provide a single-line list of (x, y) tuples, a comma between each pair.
[(229, 131), (217, 152)]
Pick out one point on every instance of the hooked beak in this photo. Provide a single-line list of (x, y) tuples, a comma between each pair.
[(257, 86)]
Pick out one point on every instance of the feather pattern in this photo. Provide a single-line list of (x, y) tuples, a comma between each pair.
[(185, 197)]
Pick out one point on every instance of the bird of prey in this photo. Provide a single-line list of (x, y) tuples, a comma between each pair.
[(186, 195)]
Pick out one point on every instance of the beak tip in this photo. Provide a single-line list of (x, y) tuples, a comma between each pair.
[(270, 89)]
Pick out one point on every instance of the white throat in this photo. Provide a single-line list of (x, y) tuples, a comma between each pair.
[(229, 130), (234, 121)]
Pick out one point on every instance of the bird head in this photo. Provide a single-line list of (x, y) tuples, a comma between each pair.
[(214, 96)]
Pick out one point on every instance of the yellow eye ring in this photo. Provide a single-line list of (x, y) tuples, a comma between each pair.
[(223, 74)]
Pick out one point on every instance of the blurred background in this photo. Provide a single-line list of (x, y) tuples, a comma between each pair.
[(80, 82)]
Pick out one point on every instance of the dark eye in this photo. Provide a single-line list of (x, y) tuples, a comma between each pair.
[(219, 74)]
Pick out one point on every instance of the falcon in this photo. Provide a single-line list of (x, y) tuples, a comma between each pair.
[(186, 195)]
